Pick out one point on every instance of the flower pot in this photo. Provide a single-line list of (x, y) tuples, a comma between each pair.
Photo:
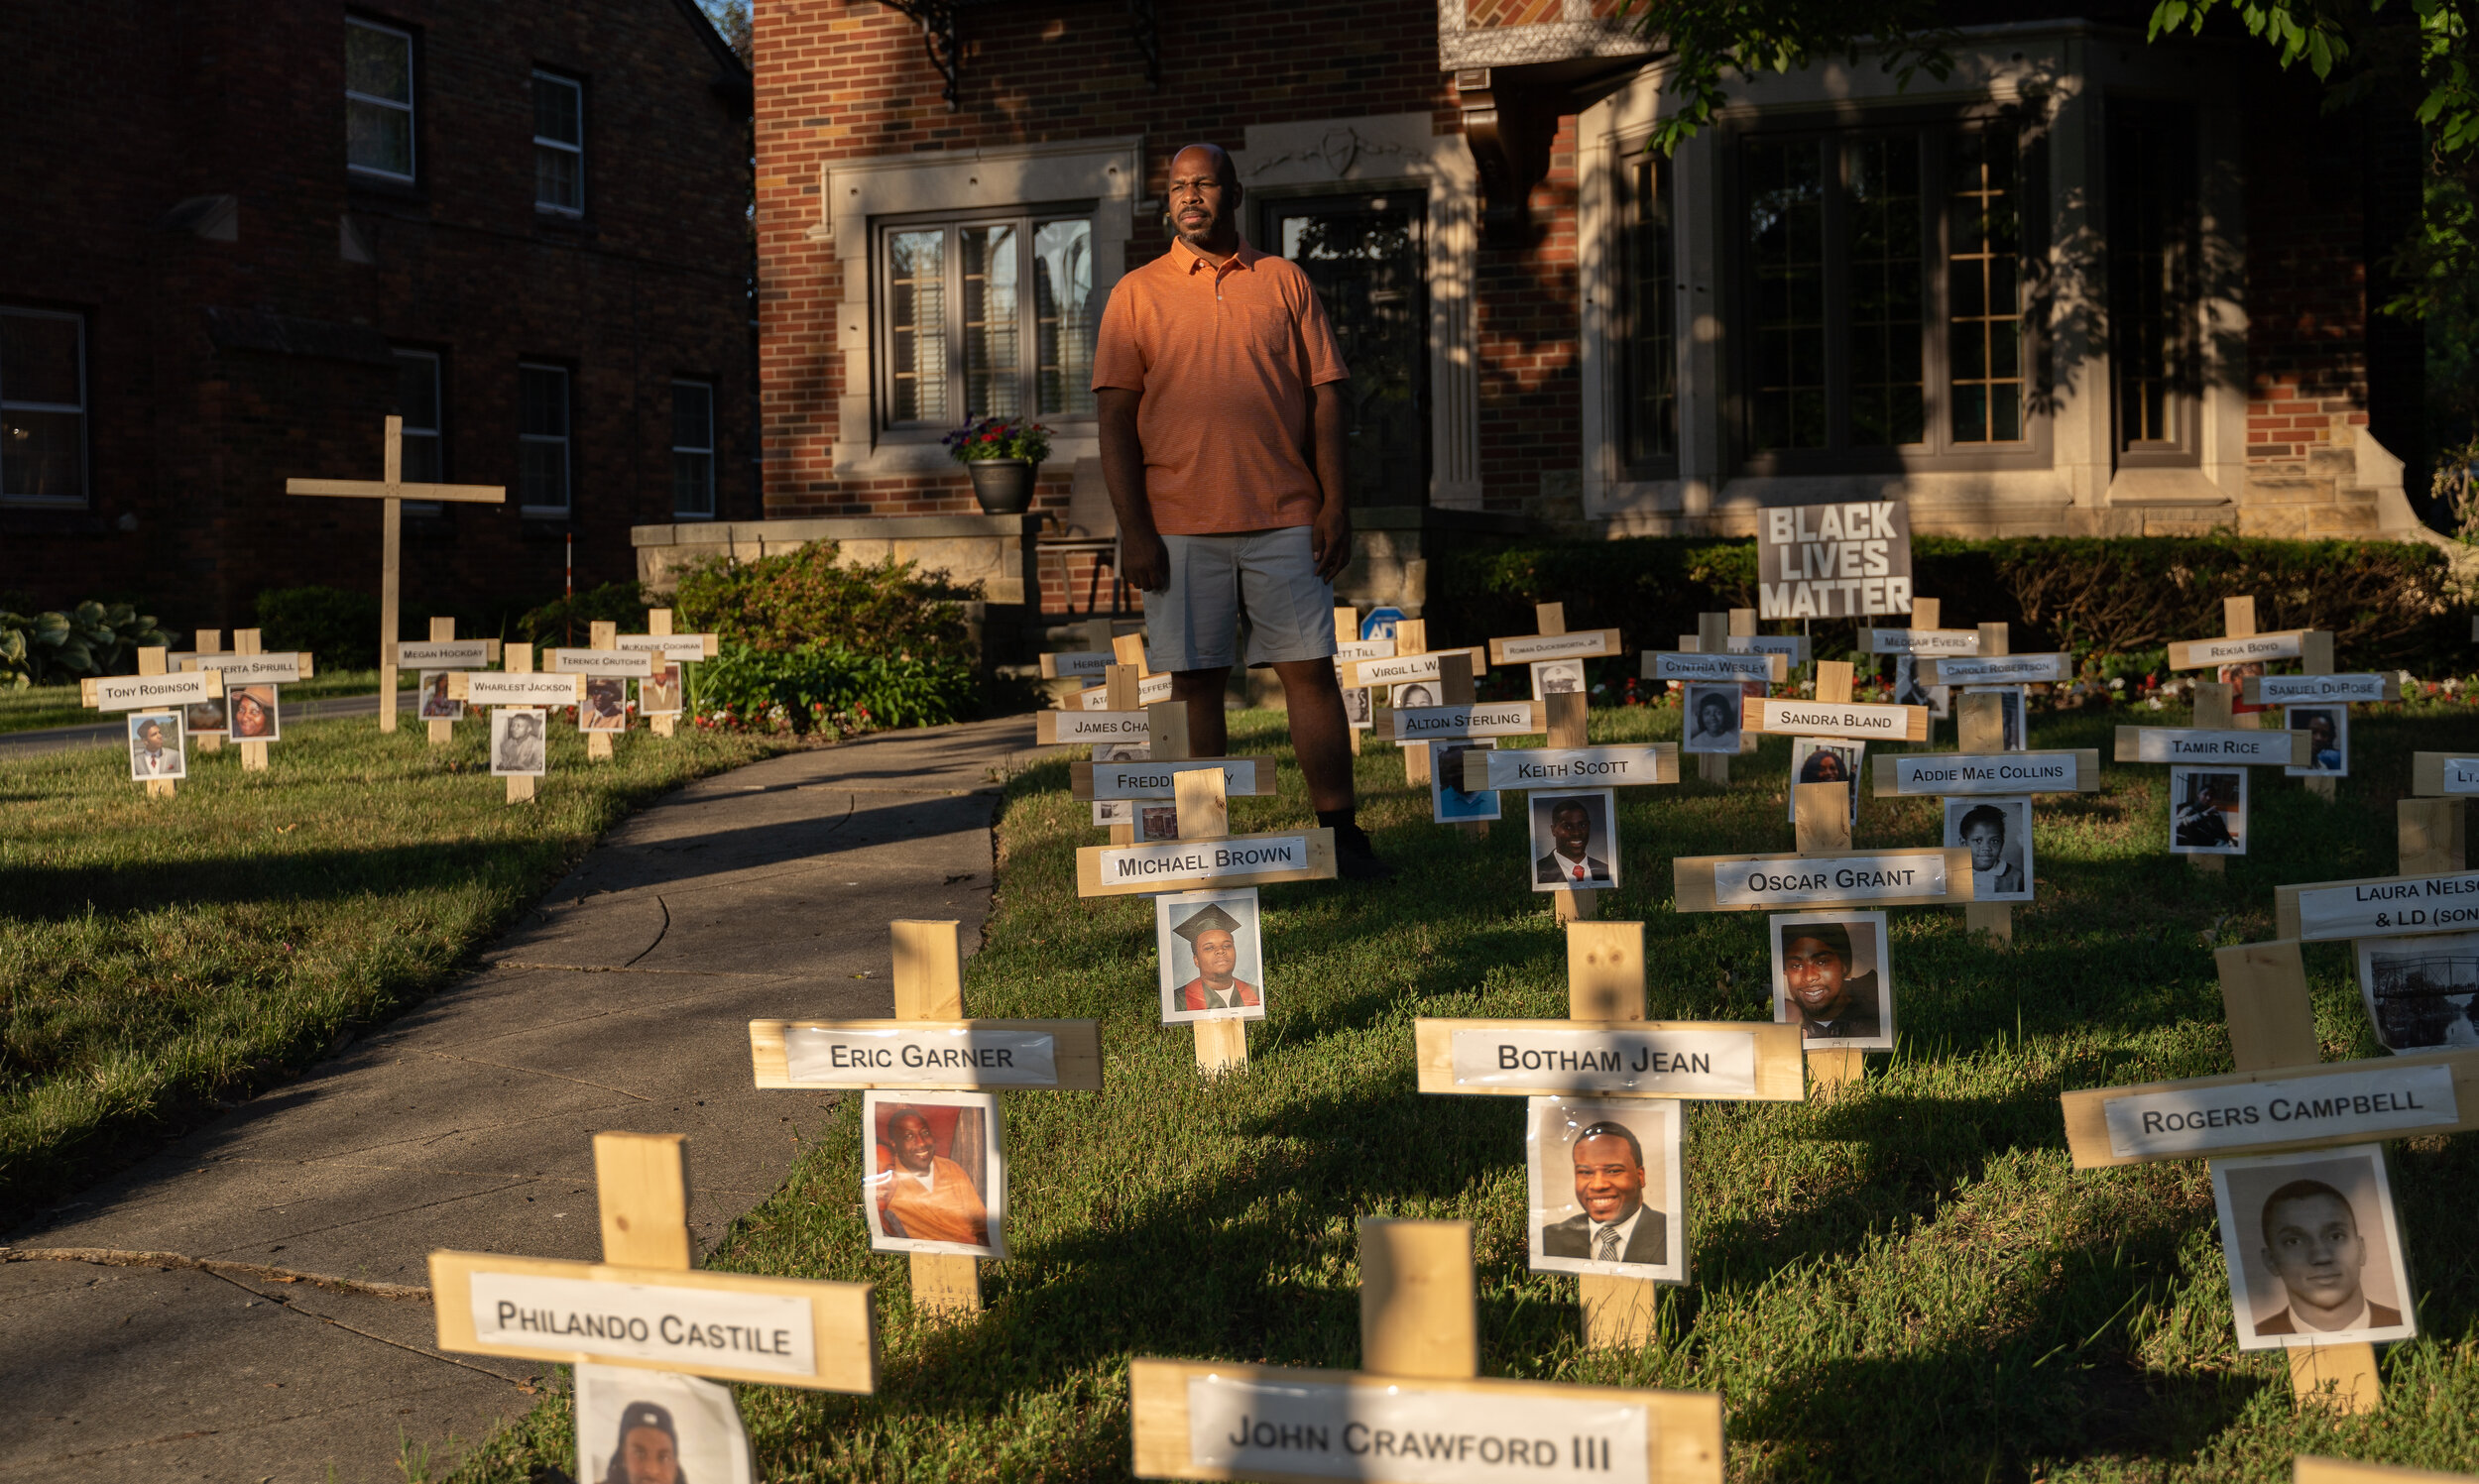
[(1004, 487)]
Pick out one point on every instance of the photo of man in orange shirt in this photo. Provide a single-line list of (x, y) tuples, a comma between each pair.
[(933, 1169)]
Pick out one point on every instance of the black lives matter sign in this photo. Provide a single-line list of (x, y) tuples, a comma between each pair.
[(1846, 560)]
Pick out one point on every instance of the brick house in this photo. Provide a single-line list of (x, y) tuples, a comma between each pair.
[(2084, 285), (240, 235)]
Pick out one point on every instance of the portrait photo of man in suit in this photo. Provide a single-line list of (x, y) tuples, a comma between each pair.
[(2313, 1250), (1606, 1187), (1576, 847)]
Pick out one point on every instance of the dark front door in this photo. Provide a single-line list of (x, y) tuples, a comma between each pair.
[(1365, 254)]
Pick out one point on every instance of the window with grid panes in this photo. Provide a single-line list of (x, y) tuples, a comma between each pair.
[(1646, 328), (692, 449), (2151, 188), (1881, 298), (542, 446), (43, 408), (985, 316), (378, 100), (559, 144), (417, 403)]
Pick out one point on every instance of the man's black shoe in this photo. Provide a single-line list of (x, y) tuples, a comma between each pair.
[(1355, 859)]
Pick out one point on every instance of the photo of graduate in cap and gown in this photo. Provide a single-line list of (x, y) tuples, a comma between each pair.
[(1212, 959)]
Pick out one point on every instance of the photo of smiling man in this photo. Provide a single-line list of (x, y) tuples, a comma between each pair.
[(2313, 1249), (1831, 976), (1608, 1192)]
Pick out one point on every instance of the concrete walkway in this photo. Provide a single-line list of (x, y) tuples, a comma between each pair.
[(251, 1305)]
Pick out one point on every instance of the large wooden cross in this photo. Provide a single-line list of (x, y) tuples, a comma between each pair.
[(1418, 1408), (391, 491), (1589, 1054)]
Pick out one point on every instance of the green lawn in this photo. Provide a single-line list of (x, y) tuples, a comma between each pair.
[(40, 706), (162, 957), (1906, 1282)]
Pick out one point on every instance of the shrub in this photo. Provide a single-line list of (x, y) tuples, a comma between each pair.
[(339, 627), (2389, 603), (570, 620), (802, 599), (92, 638), (830, 688)]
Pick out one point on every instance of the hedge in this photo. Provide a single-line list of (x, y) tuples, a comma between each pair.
[(2389, 604)]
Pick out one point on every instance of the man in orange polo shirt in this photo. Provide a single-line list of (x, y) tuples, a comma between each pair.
[(1219, 391)]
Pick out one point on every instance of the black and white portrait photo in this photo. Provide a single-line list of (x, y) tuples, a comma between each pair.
[(1575, 840), (1358, 705), (436, 703), (934, 1178), (1907, 691), (2017, 733), (1552, 677), (1998, 834), (2313, 1249), (1449, 803), (155, 745), (2421, 994), (1710, 723), (1212, 956), (1607, 1191), (519, 746), (640, 1427), (1414, 694), (2327, 729), (2207, 811), (1833, 977), (1816, 759)]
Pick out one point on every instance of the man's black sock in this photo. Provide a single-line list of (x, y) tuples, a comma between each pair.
[(1337, 819)]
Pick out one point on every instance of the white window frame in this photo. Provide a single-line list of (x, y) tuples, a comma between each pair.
[(412, 125), (550, 209), (567, 440), (708, 451), (85, 417)]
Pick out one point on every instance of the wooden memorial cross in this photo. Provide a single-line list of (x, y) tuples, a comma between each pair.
[(209, 641), (1704, 656), (391, 491), (1413, 660), (931, 1047), (664, 649), (1553, 641), (1725, 1060), (1120, 719), (1087, 663), (2274, 1045), (1350, 649), (603, 656), (2309, 1469), (645, 1305), (1833, 713), (2215, 738), (1826, 871), (2241, 643), (148, 690), (1982, 766), (1418, 1409), (444, 651), (517, 684), (247, 665), (1570, 762), (2317, 682), (245, 645), (1128, 653)]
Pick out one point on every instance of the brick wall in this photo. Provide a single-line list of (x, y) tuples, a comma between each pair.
[(1531, 435), (841, 79), (2307, 284), (125, 110)]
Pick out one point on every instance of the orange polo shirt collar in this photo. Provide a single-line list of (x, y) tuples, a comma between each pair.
[(1243, 259)]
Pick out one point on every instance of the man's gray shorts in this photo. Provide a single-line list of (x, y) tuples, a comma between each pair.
[(1269, 576)]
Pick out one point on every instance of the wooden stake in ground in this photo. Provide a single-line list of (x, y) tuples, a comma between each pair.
[(1756, 1060), (210, 641), (391, 492), (2258, 1111), (149, 690), (930, 1045), (644, 1305), (1419, 1379)]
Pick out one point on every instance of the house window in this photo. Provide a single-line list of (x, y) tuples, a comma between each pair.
[(43, 408), (986, 317), (379, 100), (423, 459), (543, 458), (1646, 328), (692, 449), (2151, 191), (559, 144), (1882, 314)]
